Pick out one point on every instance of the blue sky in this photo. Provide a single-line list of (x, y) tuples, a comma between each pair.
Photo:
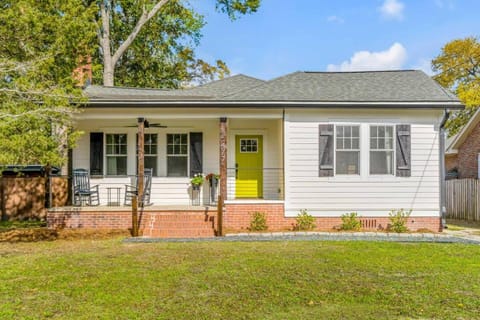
[(337, 35)]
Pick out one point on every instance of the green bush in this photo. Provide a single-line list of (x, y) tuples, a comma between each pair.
[(258, 221), (350, 221), (398, 220), (305, 221)]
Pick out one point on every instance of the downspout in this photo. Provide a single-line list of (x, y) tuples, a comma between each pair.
[(283, 155), (443, 205)]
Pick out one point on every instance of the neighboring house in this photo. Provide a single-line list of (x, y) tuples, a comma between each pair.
[(328, 142), (462, 155)]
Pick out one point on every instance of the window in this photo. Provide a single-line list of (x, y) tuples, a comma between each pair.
[(347, 150), (381, 149), (116, 154), (150, 151), (248, 145), (177, 155)]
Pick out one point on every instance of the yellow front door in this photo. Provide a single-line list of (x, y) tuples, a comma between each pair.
[(249, 166)]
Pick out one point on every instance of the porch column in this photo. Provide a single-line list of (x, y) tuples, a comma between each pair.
[(223, 157)]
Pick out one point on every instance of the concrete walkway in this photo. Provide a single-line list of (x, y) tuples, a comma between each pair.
[(326, 236)]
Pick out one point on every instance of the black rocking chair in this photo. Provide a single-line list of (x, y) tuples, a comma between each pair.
[(82, 191), (131, 191)]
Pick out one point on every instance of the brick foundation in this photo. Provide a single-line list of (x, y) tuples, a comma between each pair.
[(201, 222), (237, 219), (153, 222)]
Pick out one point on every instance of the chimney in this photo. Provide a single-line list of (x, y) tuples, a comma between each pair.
[(83, 74)]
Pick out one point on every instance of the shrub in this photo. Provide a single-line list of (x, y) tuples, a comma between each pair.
[(398, 220), (305, 221), (258, 221), (350, 221)]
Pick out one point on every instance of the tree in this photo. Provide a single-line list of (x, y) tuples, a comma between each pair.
[(458, 70), (150, 43), (40, 45)]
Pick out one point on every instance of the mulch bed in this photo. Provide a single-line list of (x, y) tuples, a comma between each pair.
[(45, 234)]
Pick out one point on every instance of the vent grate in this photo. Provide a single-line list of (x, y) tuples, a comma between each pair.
[(368, 223)]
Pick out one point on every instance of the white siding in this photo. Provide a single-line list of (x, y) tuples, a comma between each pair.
[(365, 194)]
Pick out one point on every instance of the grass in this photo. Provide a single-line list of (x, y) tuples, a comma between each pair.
[(107, 279), (9, 225)]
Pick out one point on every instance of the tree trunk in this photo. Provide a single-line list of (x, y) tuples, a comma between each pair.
[(108, 72), (109, 60)]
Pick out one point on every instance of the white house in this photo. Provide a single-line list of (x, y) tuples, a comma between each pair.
[(327, 142)]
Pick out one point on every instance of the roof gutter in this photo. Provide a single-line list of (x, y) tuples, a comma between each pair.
[(110, 103), (443, 204)]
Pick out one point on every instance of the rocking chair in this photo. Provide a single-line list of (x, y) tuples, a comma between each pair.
[(82, 191), (131, 191)]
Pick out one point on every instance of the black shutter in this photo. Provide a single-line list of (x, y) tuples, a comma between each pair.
[(325, 146), (96, 153), (403, 150), (196, 153)]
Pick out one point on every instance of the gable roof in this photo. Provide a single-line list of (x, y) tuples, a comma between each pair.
[(378, 86), (374, 88), (213, 90), (457, 140)]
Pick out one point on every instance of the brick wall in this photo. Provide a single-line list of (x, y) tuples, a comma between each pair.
[(153, 223), (237, 219), (467, 155), (202, 222), (451, 162), (79, 218)]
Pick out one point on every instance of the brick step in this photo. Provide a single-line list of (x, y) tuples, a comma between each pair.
[(175, 225), (178, 233), (182, 218)]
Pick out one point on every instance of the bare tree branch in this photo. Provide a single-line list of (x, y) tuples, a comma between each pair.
[(146, 16)]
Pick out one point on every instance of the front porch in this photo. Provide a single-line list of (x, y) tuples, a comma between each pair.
[(180, 144)]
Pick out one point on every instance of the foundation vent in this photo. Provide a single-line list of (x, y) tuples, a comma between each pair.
[(368, 223)]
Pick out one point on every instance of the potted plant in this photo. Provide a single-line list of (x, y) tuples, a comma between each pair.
[(197, 181), (213, 179)]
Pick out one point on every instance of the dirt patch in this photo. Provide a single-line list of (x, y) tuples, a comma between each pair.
[(45, 234)]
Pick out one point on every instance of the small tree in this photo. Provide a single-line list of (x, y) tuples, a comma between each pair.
[(350, 222), (304, 221), (258, 221), (398, 220)]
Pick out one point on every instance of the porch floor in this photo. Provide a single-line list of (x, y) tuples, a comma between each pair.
[(152, 208)]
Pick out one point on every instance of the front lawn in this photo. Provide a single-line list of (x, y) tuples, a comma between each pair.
[(107, 279)]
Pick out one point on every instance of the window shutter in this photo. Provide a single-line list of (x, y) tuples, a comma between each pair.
[(403, 150), (96, 153), (325, 146), (196, 153)]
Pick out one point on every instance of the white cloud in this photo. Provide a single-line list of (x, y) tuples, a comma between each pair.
[(392, 9), (425, 65), (390, 59), (336, 19)]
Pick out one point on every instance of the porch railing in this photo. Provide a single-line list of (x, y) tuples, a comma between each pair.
[(255, 183)]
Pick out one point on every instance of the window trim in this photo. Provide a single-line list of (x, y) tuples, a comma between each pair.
[(394, 150), (145, 155), (359, 125), (107, 155), (187, 155)]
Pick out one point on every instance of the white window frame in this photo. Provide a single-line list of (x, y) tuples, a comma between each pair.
[(107, 155), (167, 155), (359, 149), (156, 155), (394, 149)]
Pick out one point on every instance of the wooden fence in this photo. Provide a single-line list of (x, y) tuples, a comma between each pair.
[(23, 198), (463, 199)]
